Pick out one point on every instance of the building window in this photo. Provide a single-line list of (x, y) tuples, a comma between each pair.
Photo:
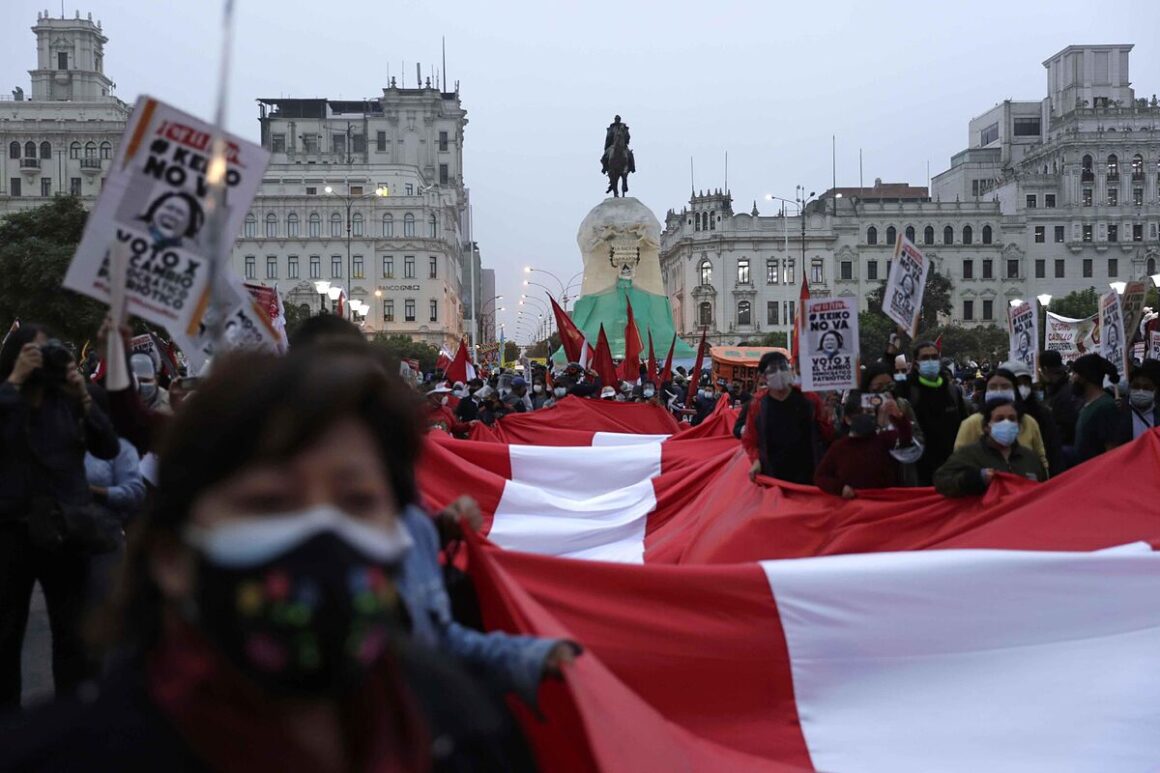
[(706, 272), (356, 224), (988, 309), (789, 313), (1137, 167), (14, 149), (1040, 269), (271, 267), (74, 150), (292, 225), (251, 267), (910, 234), (872, 270), (409, 189), (271, 225), (872, 235), (46, 186), (357, 267), (434, 309), (432, 267), (968, 310), (358, 143), (90, 150), (1113, 168), (1087, 268), (14, 186), (771, 272), (388, 310), (1138, 197), (74, 186), (1113, 232), (1059, 271), (380, 141), (1137, 232), (988, 268), (388, 267), (338, 144), (1031, 200), (30, 149), (433, 227), (989, 134), (948, 235), (1087, 232), (1040, 234), (388, 226), (1059, 234), (771, 312), (744, 314), (250, 226), (968, 235), (314, 225), (1086, 173), (278, 143), (46, 150), (789, 272), (1113, 268), (1113, 197), (444, 174), (705, 314), (1013, 268), (292, 267), (847, 269), (743, 271), (409, 225), (817, 271), (336, 267), (968, 269), (891, 235), (335, 225), (310, 143), (442, 142), (928, 235), (1049, 200), (409, 310), (1150, 267), (315, 267), (408, 267), (62, 60), (1026, 127), (1086, 197)]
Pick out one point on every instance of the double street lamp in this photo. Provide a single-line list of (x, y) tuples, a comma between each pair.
[(349, 200), (564, 286)]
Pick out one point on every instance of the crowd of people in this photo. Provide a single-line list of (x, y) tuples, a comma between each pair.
[(280, 595)]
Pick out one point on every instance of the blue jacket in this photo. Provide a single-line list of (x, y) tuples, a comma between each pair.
[(121, 477), (506, 661)]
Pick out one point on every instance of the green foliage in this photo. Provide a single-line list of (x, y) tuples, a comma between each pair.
[(874, 327), (401, 347), (511, 351), (775, 338), (296, 314), (1077, 304), (36, 247), (541, 348)]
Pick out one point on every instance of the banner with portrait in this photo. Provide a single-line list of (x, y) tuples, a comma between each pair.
[(829, 344), (1023, 330), (1113, 346), (902, 300), (1132, 307), (1072, 338), (146, 235), (1153, 351)]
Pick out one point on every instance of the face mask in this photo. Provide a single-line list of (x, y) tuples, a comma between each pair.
[(1141, 399), (928, 369), (147, 391), (1000, 394), (778, 380), (1025, 392), (900, 377), (538, 388), (458, 392), (559, 391), (649, 392), (862, 425), (1039, 395), (1004, 432), (703, 393), (301, 603)]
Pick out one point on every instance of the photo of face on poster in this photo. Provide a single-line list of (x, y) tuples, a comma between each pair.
[(174, 218), (829, 357)]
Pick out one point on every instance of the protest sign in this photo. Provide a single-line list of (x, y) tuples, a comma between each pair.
[(1132, 307), (152, 208), (1113, 347), (1072, 338), (245, 325), (157, 350), (1023, 329), (902, 300), (829, 345), (270, 302), (1153, 352)]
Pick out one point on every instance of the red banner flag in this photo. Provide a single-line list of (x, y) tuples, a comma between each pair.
[(797, 318), (571, 339), (652, 360), (602, 361), (695, 374), (461, 368), (630, 365), (667, 372)]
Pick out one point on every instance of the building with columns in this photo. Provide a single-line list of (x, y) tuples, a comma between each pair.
[(62, 135), (1049, 197)]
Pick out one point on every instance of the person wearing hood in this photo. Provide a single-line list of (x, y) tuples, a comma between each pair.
[(1141, 411), (1001, 385), (1097, 427), (152, 395), (1036, 408), (1059, 397), (938, 406), (971, 468)]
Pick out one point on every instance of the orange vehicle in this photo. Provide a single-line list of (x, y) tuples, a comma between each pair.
[(740, 363)]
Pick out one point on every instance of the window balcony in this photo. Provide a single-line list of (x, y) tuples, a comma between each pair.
[(30, 164), (91, 165)]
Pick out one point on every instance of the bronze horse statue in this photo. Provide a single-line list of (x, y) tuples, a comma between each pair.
[(617, 161)]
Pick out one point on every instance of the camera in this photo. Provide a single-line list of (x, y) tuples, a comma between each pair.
[(872, 401), (56, 358)]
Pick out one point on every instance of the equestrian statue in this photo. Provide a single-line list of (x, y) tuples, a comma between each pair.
[(617, 161)]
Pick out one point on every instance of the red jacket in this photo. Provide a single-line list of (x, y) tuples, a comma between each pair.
[(862, 462), (822, 422)]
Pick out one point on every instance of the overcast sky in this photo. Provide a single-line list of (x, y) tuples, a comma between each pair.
[(767, 82)]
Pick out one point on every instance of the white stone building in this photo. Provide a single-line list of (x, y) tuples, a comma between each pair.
[(61, 137), (1049, 197)]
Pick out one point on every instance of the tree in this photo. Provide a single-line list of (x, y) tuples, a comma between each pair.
[(874, 327), (775, 338), (36, 247), (1077, 304), (511, 351), (400, 347), (296, 314), (545, 347)]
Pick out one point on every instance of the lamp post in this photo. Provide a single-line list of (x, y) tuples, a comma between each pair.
[(1119, 287), (381, 321), (1044, 302), (349, 200), (803, 200), (322, 287)]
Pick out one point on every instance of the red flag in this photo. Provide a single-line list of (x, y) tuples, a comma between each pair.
[(460, 368), (667, 372), (571, 339), (630, 365), (938, 343), (602, 361), (341, 297), (695, 374), (652, 360), (800, 315)]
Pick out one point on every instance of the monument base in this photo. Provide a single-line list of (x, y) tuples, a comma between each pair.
[(652, 313)]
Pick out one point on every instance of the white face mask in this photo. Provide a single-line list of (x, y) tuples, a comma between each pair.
[(1025, 392), (1141, 399), (649, 392), (779, 380), (538, 388), (559, 391)]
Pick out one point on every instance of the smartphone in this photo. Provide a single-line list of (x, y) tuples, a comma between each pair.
[(872, 402)]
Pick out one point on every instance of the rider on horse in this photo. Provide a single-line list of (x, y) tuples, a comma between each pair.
[(617, 160)]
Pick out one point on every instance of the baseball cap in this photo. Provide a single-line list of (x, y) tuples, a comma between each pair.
[(1017, 368)]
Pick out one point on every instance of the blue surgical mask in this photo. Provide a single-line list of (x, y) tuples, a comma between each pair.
[(1000, 394), (929, 369), (1004, 432), (900, 377)]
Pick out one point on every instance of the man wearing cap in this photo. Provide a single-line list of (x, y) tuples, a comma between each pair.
[(152, 395), (1036, 408), (1059, 397), (516, 400)]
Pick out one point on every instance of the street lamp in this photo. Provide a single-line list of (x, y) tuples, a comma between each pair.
[(1015, 302), (379, 296), (322, 287), (349, 200), (1118, 287), (1044, 302), (1156, 279), (803, 200)]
